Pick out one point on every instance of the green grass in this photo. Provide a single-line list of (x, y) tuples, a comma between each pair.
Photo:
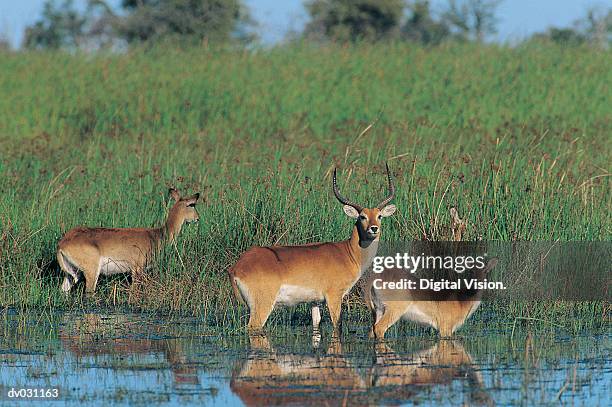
[(517, 139)]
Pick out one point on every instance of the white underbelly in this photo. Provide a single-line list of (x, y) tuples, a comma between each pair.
[(414, 313), (113, 266), (293, 294)]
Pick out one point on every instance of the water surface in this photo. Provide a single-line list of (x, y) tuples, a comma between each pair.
[(121, 358)]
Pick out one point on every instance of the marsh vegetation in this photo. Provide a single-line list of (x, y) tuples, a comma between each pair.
[(516, 139)]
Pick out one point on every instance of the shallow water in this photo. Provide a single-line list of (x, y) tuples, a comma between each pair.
[(134, 359)]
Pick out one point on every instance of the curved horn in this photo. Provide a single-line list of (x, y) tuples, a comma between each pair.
[(342, 199), (391, 190)]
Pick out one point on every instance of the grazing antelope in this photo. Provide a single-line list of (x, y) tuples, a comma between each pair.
[(288, 275), (443, 311), (93, 251)]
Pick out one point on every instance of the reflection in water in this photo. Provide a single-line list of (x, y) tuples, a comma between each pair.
[(86, 336), (268, 377), (132, 359), (441, 364), (120, 359)]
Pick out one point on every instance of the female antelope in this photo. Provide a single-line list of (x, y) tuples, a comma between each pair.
[(89, 252), (442, 311), (266, 276)]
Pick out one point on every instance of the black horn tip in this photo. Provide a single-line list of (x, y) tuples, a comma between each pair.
[(391, 188)]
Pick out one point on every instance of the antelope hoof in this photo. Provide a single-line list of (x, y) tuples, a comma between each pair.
[(316, 339)]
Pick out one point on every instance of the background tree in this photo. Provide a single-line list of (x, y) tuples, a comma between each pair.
[(472, 19), (562, 36), (421, 26), (211, 20), (216, 21), (354, 20), (61, 26), (595, 28), (5, 43)]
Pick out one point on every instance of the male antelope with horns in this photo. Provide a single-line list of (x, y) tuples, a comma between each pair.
[(89, 252), (266, 276)]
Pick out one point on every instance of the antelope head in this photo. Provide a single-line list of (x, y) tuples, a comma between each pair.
[(183, 210), (367, 220)]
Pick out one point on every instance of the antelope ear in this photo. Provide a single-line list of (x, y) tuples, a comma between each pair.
[(174, 194), (191, 200), (350, 211), (491, 264), (388, 210)]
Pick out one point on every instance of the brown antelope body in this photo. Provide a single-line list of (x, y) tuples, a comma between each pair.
[(89, 252), (288, 275), (443, 311)]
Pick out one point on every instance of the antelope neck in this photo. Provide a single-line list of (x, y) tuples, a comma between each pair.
[(172, 227), (362, 250)]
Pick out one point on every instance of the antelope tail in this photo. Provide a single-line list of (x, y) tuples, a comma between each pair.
[(237, 292)]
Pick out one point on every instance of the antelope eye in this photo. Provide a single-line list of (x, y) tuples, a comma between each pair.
[(361, 217), (379, 217), (191, 205)]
